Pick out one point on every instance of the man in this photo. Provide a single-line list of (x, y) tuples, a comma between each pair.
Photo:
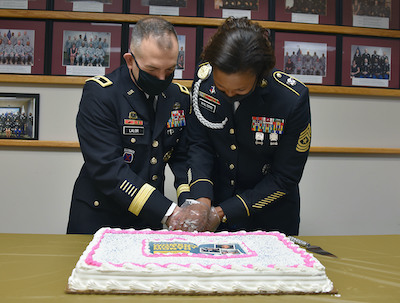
[(99, 56), (130, 124), (81, 58), (28, 53)]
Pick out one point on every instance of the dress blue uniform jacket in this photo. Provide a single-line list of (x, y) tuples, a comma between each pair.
[(251, 167), (125, 148)]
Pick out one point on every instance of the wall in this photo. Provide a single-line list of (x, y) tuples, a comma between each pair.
[(341, 194)]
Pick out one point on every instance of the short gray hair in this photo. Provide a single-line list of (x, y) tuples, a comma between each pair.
[(153, 26)]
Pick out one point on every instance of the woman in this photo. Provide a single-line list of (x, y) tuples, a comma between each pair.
[(250, 132), (73, 52)]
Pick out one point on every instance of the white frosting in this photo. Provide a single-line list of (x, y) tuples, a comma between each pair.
[(129, 261)]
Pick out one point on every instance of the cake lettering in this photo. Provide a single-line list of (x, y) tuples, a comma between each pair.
[(194, 249)]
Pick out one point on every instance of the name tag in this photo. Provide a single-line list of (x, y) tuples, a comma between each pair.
[(133, 130), (208, 105)]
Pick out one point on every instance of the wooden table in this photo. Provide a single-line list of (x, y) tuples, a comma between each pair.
[(35, 268)]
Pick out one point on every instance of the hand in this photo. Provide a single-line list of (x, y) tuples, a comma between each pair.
[(176, 219), (213, 220), (191, 216)]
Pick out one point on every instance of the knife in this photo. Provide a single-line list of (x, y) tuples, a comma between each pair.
[(311, 248)]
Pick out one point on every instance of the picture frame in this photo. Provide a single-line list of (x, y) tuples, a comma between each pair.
[(164, 7), (98, 6), (103, 57), (253, 9), (187, 51), (361, 13), (306, 11), (19, 116), (23, 4), (373, 72), (310, 58), (23, 46)]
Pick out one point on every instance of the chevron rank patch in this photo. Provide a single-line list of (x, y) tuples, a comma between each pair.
[(303, 144)]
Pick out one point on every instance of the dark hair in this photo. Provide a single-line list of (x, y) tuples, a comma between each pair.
[(153, 26), (240, 45)]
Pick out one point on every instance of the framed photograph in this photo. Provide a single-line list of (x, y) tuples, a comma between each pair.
[(22, 47), (19, 116), (306, 11), (23, 4), (252, 9), (370, 62), (185, 65), (375, 14), (98, 6), (308, 57), (85, 49), (164, 7)]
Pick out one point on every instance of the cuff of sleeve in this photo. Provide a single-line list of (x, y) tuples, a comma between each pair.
[(140, 199), (202, 188), (169, 212), (235, 208), (183, 188)]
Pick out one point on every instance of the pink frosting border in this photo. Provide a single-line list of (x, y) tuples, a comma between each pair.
[(307, 258)]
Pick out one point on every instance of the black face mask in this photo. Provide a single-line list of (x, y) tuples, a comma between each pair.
[(238, 97), (150, 84)]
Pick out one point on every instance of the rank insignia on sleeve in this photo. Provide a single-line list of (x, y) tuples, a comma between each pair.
[(303, 144), (177, 119)]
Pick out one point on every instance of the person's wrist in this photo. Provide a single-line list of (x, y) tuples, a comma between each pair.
[(206, 201), (220, 213)]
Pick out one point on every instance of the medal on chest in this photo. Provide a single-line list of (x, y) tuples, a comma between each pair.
[(271, 126)]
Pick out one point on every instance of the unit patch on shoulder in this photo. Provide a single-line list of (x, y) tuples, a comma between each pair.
[(183, 89), (303, 144), (101, 80), (288, 81)]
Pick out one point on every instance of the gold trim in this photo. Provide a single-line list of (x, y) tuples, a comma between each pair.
[(201, 180), (303, 144), (123, 184), (106, 82), (267, 200), (183, 89), (182, 188), (134, 191), (141, 198), (284, 84), (245, 205)]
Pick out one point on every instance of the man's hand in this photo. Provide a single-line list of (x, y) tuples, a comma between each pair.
[(213, 220), (192, 215)]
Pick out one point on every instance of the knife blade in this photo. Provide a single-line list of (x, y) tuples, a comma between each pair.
[(311, 248)]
